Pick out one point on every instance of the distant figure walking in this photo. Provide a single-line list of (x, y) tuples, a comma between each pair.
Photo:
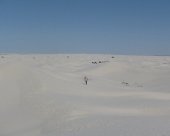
[(85, 80)]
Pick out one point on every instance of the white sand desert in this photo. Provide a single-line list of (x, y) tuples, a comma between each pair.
[(45, 95)]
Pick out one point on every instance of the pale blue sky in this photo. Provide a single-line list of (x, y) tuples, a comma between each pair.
[(85, 26)]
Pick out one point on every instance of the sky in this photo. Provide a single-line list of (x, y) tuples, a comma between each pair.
[(136, 27)]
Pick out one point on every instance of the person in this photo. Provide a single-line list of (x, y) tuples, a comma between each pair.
[(85, 80)]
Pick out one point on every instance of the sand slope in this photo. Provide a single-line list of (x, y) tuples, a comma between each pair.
[(45, 95)]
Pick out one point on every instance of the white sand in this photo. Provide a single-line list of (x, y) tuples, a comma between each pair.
[(45, 95)]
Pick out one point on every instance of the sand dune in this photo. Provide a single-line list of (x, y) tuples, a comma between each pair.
[(45, 95)]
